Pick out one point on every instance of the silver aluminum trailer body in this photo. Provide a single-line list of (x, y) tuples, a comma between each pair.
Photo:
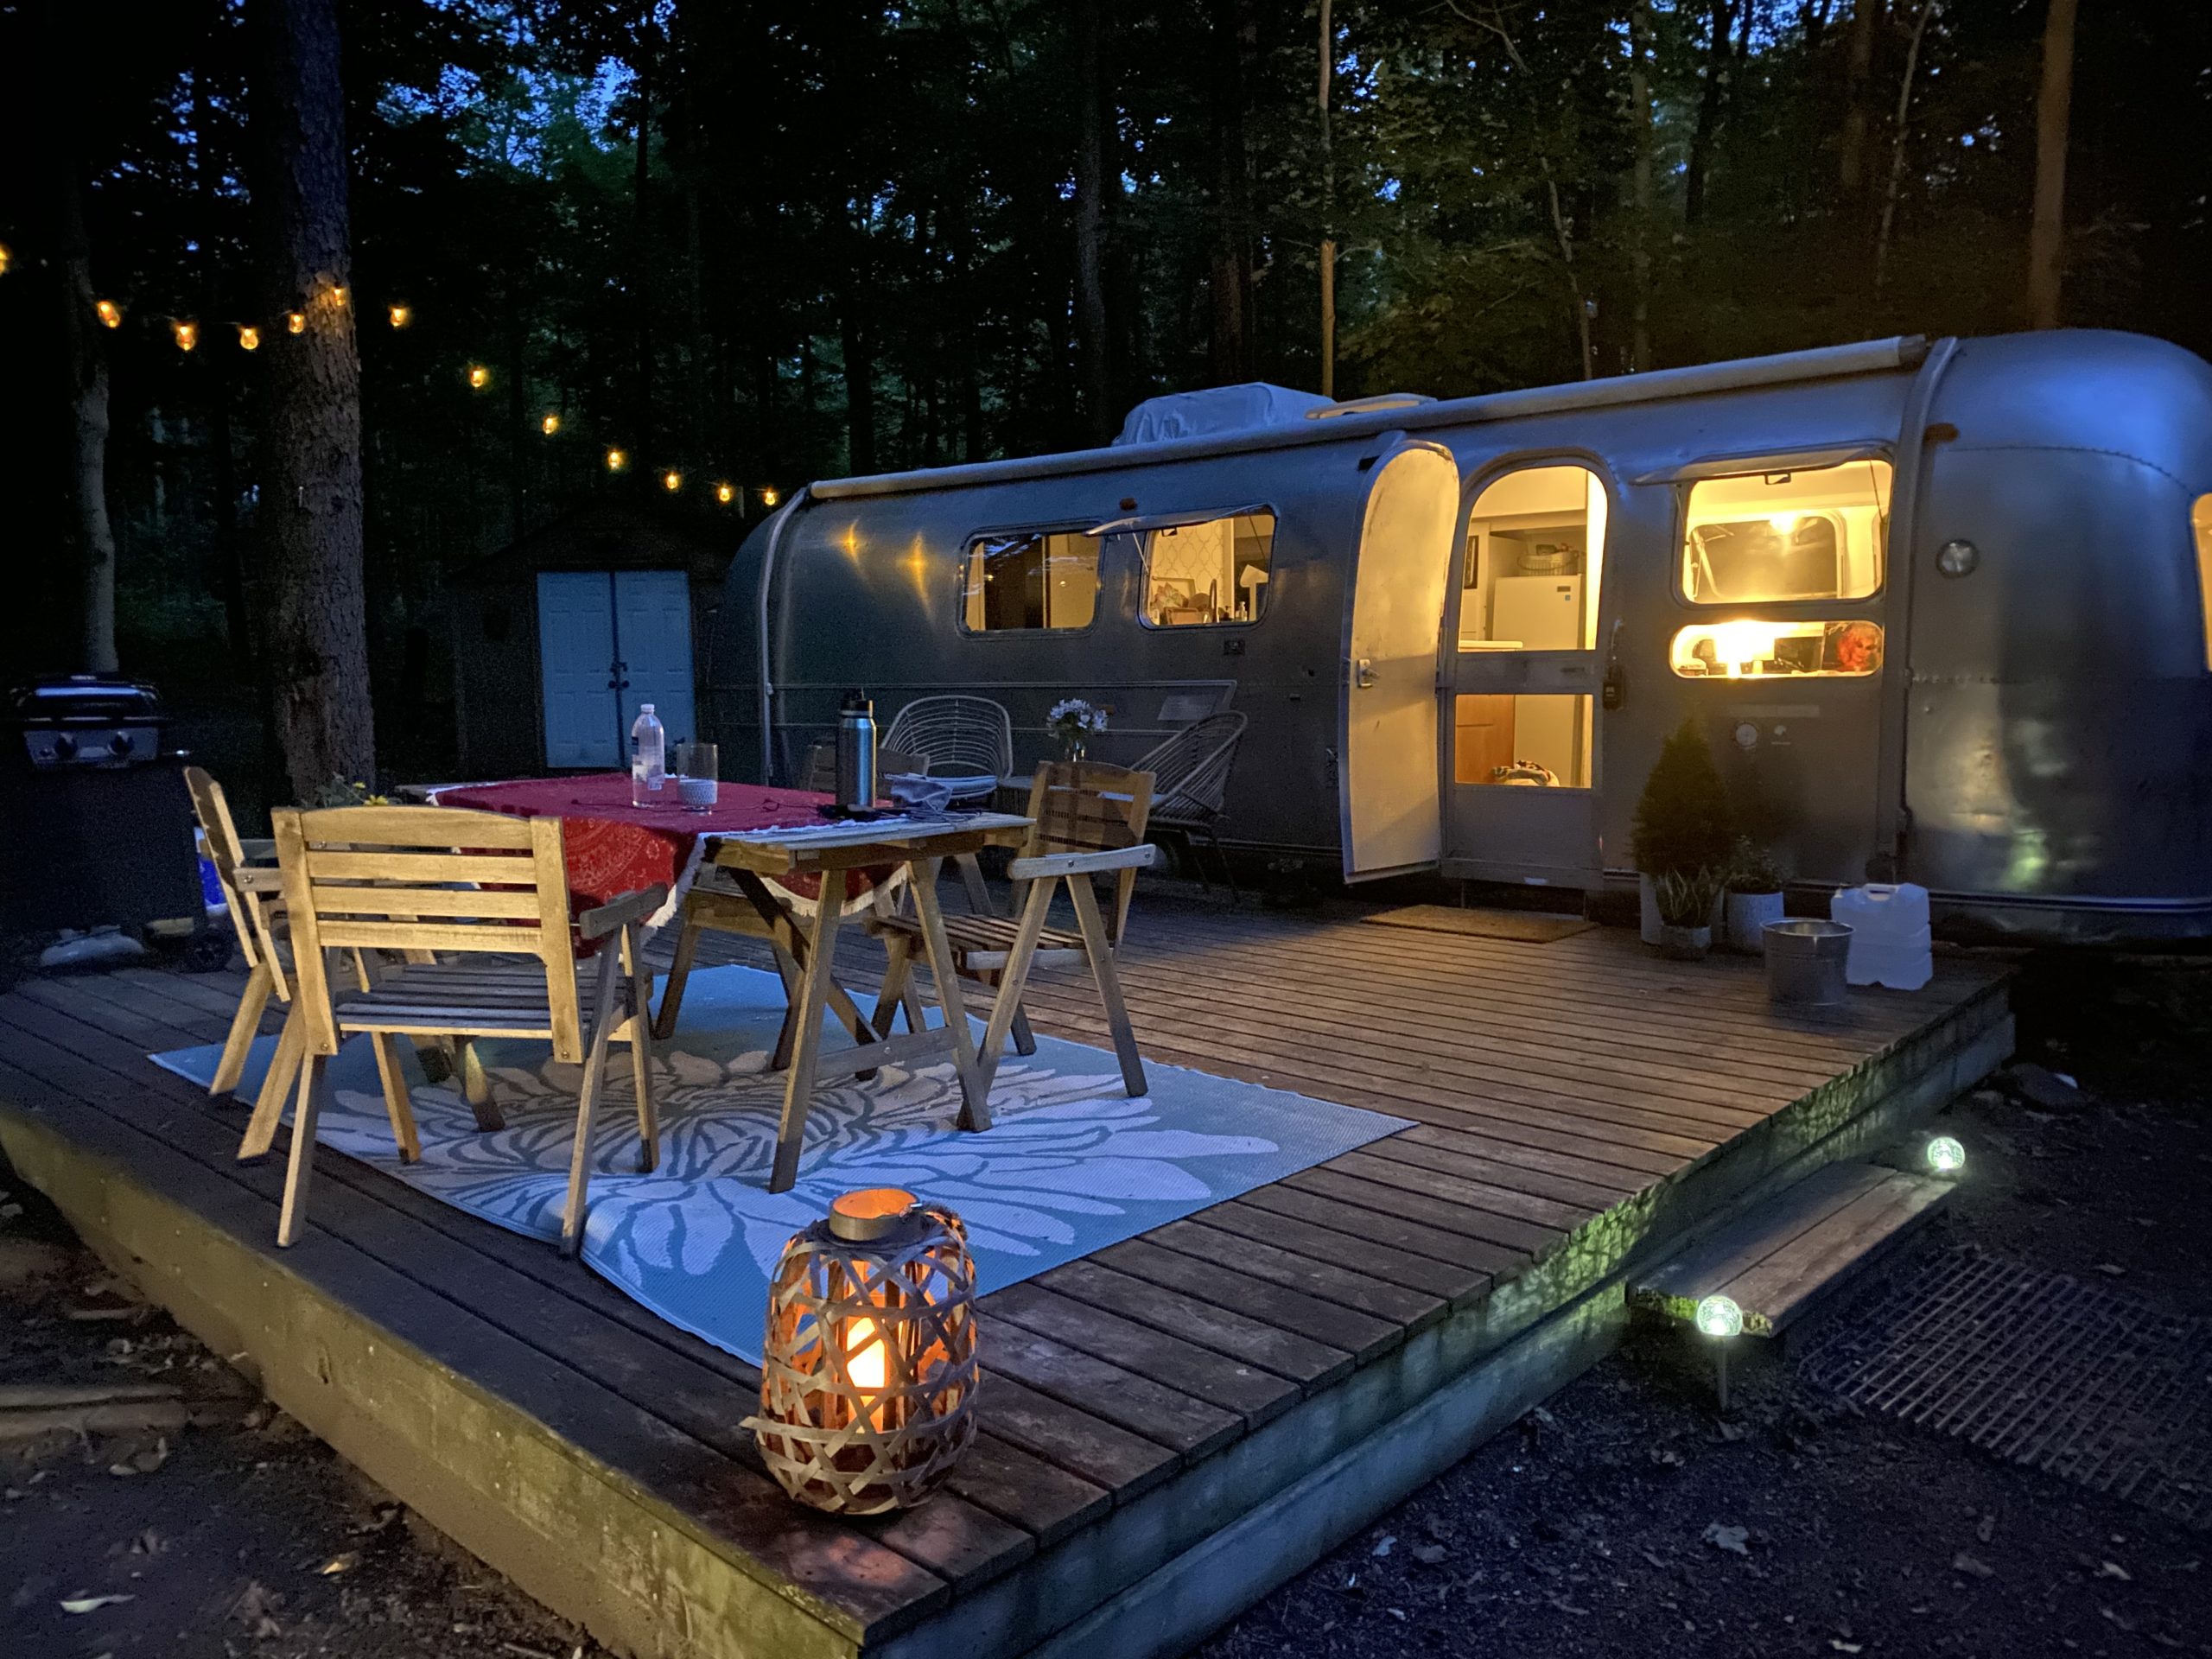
[(2035, 745)]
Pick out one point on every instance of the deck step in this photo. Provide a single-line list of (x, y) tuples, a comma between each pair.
[(1779, 1257)]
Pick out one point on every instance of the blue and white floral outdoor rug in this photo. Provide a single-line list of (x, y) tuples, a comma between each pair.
[(1070, 1165)]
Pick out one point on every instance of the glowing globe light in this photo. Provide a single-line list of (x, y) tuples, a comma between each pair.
[(110, 313), (402, 315), (1718, 1316), (296, 321), (551, 424), (768, 498), (672, 480), (616, 460), (1946, 1156), (187, 334), (478, 377), (724, 493), (249, 337), (7, 257)]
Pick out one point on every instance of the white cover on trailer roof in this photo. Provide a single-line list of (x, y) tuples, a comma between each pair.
[(1217, 410)]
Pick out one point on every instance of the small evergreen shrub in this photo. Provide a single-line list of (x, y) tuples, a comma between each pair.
[(1684, 824)]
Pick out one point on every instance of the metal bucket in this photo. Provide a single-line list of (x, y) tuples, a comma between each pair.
[(1805, 960)]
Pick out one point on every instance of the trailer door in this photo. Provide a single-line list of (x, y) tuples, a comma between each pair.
[(1387, 783)]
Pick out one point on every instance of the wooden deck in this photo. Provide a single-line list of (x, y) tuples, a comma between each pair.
[(1172, 1427)]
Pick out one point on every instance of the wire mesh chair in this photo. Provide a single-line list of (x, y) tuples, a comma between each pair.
[(1191, 774), (965, 737)]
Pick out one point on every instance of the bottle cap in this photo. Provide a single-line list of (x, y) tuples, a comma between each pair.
[(644, 708), (856, 703)]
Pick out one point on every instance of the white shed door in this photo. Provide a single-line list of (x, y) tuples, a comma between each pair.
[(575, 656), (1392, 819), (653, 625)]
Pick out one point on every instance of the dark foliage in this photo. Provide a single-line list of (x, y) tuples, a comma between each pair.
[(1684, 824)]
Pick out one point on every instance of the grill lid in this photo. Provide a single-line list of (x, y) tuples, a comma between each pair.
[(86, 699)]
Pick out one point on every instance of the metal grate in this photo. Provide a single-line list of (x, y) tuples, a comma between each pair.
[(2038, 1368)]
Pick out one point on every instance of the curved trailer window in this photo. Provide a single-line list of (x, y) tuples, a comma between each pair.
[(1767, 537), (1029, 579)]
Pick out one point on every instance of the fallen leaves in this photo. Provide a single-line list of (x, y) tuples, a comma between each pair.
[(92, 1603), (1973, 1566), (1735, 1540)]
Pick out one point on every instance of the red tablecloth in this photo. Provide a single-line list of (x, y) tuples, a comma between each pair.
[(612, 847)]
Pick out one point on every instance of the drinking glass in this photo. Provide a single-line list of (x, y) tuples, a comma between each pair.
[(697, 769)]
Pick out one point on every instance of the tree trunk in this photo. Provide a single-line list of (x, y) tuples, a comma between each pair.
[(1639, 84), (2047, 237), (229, 557), (1328, 52), (1090, 186), (310, 511), (1851, 163), (641, 247), (860, 375), (1719, 62), (1897, 145), (1235, 40), (87, 358)]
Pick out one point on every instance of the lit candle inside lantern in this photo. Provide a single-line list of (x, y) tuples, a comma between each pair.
[(865, 1361)]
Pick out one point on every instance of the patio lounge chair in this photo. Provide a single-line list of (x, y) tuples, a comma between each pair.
[(1090, 819), (253, 895), (390, 877), (1192, 769), (964, 737)]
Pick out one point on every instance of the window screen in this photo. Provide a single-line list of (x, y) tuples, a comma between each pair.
[(1216, 571), (1030, 580), (1775, 537)]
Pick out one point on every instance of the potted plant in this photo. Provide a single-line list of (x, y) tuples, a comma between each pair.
[(1682, 824), (1754, 896), (1686, 906)]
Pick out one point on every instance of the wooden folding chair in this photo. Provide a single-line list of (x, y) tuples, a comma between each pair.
[(1089, 820), (485, 889), (252, 894)]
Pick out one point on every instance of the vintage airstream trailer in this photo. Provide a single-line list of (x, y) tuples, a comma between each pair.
[(1940, 607)]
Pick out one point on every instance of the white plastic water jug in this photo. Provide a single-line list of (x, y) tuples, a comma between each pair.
[(1890, 942)]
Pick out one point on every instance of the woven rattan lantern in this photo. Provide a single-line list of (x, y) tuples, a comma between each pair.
[(868, 1377)]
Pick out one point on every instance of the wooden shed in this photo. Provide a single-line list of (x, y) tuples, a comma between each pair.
[(559, 637)]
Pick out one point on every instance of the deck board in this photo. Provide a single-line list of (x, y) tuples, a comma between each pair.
[(1553, 1088)]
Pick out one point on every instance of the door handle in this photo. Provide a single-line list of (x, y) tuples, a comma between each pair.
[(1363, 673)]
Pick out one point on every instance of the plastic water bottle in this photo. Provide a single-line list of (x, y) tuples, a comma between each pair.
[(648, 759)]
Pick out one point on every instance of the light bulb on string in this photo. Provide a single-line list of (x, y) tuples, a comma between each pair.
[(672, 480), (478, 377), (551, 424), (337, 294), (187, 334), (296, 323), (402, 315), (768, 498), (110, 314), (724, 493), (7, 257), (616, 460), (249, 337)]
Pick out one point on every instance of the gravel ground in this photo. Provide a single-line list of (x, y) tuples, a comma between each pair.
[(1624, 1517)]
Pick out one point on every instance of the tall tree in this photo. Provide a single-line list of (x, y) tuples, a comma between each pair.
[(310, 507), (1235, 44), (2054, 104), (1093, 339), (1859, 65), (1647, 146), (1328, 209), (86, 356), (1713, 94)]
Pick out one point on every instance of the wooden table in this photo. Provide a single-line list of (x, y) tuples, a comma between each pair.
[(922, 846)]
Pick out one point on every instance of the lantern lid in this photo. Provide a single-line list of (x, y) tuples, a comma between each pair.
[(870, 1213)]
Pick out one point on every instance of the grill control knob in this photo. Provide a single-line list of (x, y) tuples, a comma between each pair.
[(119, 744), (65, 747)]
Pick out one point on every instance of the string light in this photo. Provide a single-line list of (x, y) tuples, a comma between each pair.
[(187, 334), (402, 315), (478, 377), (768, 498), (616, 460), (672, 480), (724, 493), (296, 321), (6, 258), (110, 313), (337, 295), (551, 424), (249, 337)]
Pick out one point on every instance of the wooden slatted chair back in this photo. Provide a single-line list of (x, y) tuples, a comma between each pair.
[(249, 909), (427, 878), (1086, 806)]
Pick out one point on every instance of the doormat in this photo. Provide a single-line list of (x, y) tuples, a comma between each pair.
[(1069, 1166), (1522, 926), (2040, 1370)]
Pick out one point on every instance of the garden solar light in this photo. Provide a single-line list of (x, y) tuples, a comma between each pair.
[(1946, 1156), (1719, 1318)]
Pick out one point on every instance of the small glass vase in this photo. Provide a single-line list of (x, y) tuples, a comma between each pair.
[(1073, 747)]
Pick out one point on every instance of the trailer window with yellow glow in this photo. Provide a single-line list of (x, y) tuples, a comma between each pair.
[(1767, 537), (1198, 575), (1029, 579), (2200, 520), (1777, 649)]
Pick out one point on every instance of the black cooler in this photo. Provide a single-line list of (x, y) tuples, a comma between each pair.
[(95, 824)]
